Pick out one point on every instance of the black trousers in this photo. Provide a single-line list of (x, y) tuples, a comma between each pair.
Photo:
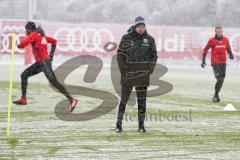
[(44, 66), (141, 99), (219, 71)]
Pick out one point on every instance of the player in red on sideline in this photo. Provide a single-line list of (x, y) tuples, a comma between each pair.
[(43, 63), (219, 45)]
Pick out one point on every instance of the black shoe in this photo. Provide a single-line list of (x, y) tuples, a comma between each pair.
[(216, 98), (142, 130), (118, 128)]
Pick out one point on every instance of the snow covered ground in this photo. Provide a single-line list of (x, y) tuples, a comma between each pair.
[(207, 133)]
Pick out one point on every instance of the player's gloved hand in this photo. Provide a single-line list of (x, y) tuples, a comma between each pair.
[(52, 51), (51, 56), (18, 46), (203, 63), (231, 56)]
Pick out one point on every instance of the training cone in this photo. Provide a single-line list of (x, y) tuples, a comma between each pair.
[(229, 107)]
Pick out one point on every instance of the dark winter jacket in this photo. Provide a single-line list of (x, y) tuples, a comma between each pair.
[(137, 57)]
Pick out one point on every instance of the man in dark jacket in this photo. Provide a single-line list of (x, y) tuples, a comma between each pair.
[(137, 57), (219, 45)]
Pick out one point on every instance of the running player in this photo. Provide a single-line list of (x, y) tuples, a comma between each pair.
[(43, 63)]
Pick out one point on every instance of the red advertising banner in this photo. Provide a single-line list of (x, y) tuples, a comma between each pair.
[(176, 43)]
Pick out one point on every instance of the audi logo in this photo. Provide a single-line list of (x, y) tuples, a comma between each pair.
[(69, 39), (6, 38), (78, 39)]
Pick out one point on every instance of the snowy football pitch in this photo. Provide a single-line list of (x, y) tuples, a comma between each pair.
[(206, 132)]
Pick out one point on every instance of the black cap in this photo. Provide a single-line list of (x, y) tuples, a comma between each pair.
[(139, 21), (30, 26)]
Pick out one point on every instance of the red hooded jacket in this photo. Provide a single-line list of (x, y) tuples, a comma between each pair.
[(39, 45)]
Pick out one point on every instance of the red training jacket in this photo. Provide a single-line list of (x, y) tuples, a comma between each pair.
[(219, 49), (39, 45)]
